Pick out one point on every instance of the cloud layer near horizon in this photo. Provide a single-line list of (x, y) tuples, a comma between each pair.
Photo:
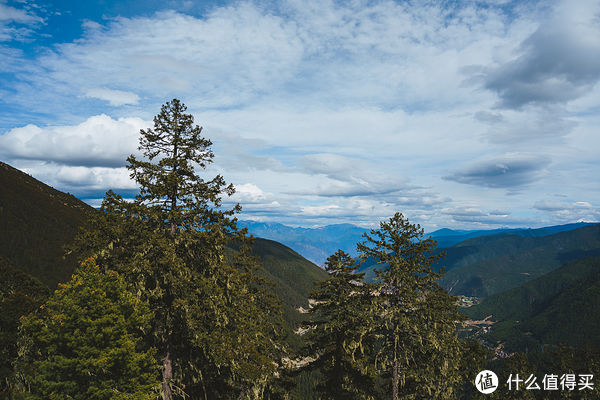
[(326, 112)]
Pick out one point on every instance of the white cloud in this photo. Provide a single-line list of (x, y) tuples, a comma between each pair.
[(98, 141), (379, 54), (16, 24), (569, 211), (228, 57), (115, 98), (76, 179), (249, 192)]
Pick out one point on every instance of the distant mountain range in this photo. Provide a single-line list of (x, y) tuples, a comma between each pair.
[(448, 237), (489, 264), (316, 244)]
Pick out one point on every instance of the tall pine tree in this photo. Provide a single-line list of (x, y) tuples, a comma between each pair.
[(338, 339), (215, 325), (418, 347)]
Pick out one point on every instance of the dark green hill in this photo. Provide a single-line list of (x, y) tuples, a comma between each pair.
[(492, 264), (562, 306), (292, 274), (35, 222)]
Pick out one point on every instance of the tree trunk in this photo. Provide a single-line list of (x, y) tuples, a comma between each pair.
[(167, 375), (395, 367), (338, 367), (395, 380), (203, 386), (174, 189)]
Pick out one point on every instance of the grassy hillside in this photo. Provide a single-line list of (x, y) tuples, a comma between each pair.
[(562, 306), (35, 222)]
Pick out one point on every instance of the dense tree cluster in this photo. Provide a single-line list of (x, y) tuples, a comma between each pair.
[(395, 338), (86, 342)]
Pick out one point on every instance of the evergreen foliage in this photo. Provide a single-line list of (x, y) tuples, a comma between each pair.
[(418, 346), (293, 277), (560, 307), (86, 342), (20, 294), (216, 326), (341, 320)]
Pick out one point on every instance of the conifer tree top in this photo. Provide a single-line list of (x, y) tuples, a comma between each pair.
[(169, 182)]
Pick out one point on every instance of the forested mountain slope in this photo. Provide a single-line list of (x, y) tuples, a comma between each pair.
[(292, 275), (493, 264), (561, 307), (490, 264), (449, 237)]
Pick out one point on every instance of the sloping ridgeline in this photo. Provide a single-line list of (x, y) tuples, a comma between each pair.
[(293, 276), (488, 265), (316, 244), (36, 221), (449, 237), (562, 306)]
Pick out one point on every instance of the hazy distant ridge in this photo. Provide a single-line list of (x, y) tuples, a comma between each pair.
[(316, 244)]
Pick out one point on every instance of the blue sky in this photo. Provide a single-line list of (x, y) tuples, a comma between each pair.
[(463, 114)]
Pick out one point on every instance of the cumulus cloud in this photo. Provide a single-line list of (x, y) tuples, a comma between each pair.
[(508, 171), (249, 192), (81, 180), (115, 98), (559, 62), (100, 141)]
